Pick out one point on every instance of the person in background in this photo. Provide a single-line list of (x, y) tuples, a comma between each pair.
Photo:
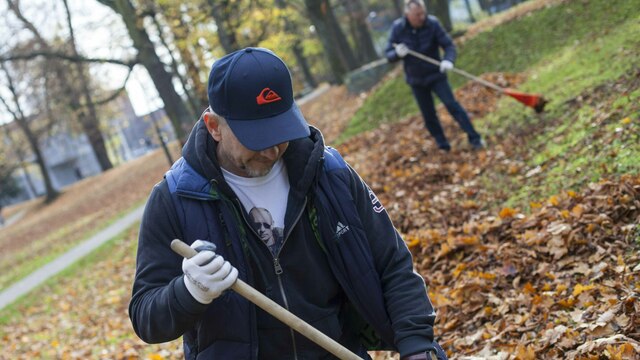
[(341, 265), (422, 33)]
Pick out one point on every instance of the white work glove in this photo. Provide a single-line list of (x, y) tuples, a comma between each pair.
[(207, 274), (445, 65), (402, 50)]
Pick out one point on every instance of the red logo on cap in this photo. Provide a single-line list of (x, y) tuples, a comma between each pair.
[(267, 96)]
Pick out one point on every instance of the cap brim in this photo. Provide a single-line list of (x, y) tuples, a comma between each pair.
[(264, 133)]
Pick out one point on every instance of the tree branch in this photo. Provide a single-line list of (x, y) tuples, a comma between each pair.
[(116, 93), (55, 55)]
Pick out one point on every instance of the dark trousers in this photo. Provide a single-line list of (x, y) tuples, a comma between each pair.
[(425, 102)]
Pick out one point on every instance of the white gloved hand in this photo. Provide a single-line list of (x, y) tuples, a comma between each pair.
[(445, 65), (402, 50), (207, 275)]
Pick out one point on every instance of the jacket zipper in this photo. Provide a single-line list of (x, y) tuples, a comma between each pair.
[(278, 268)]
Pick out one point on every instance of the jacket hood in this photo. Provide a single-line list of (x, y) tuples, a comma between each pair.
[(303, 158)]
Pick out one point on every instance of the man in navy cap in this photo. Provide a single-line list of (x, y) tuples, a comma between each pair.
[(337, 263)]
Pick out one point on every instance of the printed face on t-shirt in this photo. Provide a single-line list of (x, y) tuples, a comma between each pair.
[(263, 225)]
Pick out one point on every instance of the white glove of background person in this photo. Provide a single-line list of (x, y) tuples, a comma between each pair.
[(207, 275), (402, 50), (445, 65)]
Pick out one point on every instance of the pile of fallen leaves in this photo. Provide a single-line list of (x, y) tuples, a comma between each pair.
[(561, 282)]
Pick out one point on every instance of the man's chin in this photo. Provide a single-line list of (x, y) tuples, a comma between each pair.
[(258, 171)]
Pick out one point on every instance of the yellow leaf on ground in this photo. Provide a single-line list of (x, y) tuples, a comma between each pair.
[(535, 205), (507, 213), (525, 352), (579, 289)]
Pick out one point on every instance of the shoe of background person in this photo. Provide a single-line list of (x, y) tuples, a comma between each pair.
[(478, 145), (444, 148)]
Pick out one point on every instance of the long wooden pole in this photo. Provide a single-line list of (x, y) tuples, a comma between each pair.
[(535, 101), (456, 70), (277, 311)]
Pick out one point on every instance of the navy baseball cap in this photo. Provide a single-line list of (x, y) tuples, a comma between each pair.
[(251, 89)]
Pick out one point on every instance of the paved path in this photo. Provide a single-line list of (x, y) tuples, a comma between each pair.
[(313, 94), (24, 286), (13, 218)]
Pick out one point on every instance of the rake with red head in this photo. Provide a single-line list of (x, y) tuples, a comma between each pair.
[(535, 101)]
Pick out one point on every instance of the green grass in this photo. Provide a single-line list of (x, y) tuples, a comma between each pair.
[(23, 262), (396, 107), (590, 128), (11, 312)]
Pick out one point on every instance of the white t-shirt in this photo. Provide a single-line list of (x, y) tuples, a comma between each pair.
[(265, 200)]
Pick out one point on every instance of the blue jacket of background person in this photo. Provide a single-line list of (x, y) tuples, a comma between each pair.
[(335, 229), (426, 40)]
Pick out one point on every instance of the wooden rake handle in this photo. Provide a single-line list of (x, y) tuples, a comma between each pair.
[(276, 310), (456, 70)]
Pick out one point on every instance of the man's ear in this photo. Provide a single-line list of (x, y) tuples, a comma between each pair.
[(212, 124)]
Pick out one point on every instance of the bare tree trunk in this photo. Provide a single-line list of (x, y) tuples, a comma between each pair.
[(163, 143), (18, 151), (468, 6), (90, 124), (485, 5), (289, 27), (440, 9), (304, 64), (398, 7), (221, 12), (337, 50), (174, 67), (21, 120), (199, 87), (173, 104), (357, 12), (191, 57)]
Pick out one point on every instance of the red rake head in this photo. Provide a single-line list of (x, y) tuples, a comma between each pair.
[(535, 101)]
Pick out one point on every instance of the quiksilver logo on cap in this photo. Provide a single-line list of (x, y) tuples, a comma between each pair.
[(267, 96)]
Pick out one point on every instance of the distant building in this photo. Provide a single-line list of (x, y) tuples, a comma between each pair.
[(69, 157), (136, 135)]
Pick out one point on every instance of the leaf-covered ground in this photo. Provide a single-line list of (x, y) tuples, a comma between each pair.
[(560, 281), (551, 275)]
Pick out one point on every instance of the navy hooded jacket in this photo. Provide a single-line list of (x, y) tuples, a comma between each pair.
[(426, 40), (343, 267)]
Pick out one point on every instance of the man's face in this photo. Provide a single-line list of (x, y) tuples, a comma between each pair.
[(236, 158), (416, 15)]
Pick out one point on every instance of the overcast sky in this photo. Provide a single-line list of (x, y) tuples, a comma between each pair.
[(99, 32)]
